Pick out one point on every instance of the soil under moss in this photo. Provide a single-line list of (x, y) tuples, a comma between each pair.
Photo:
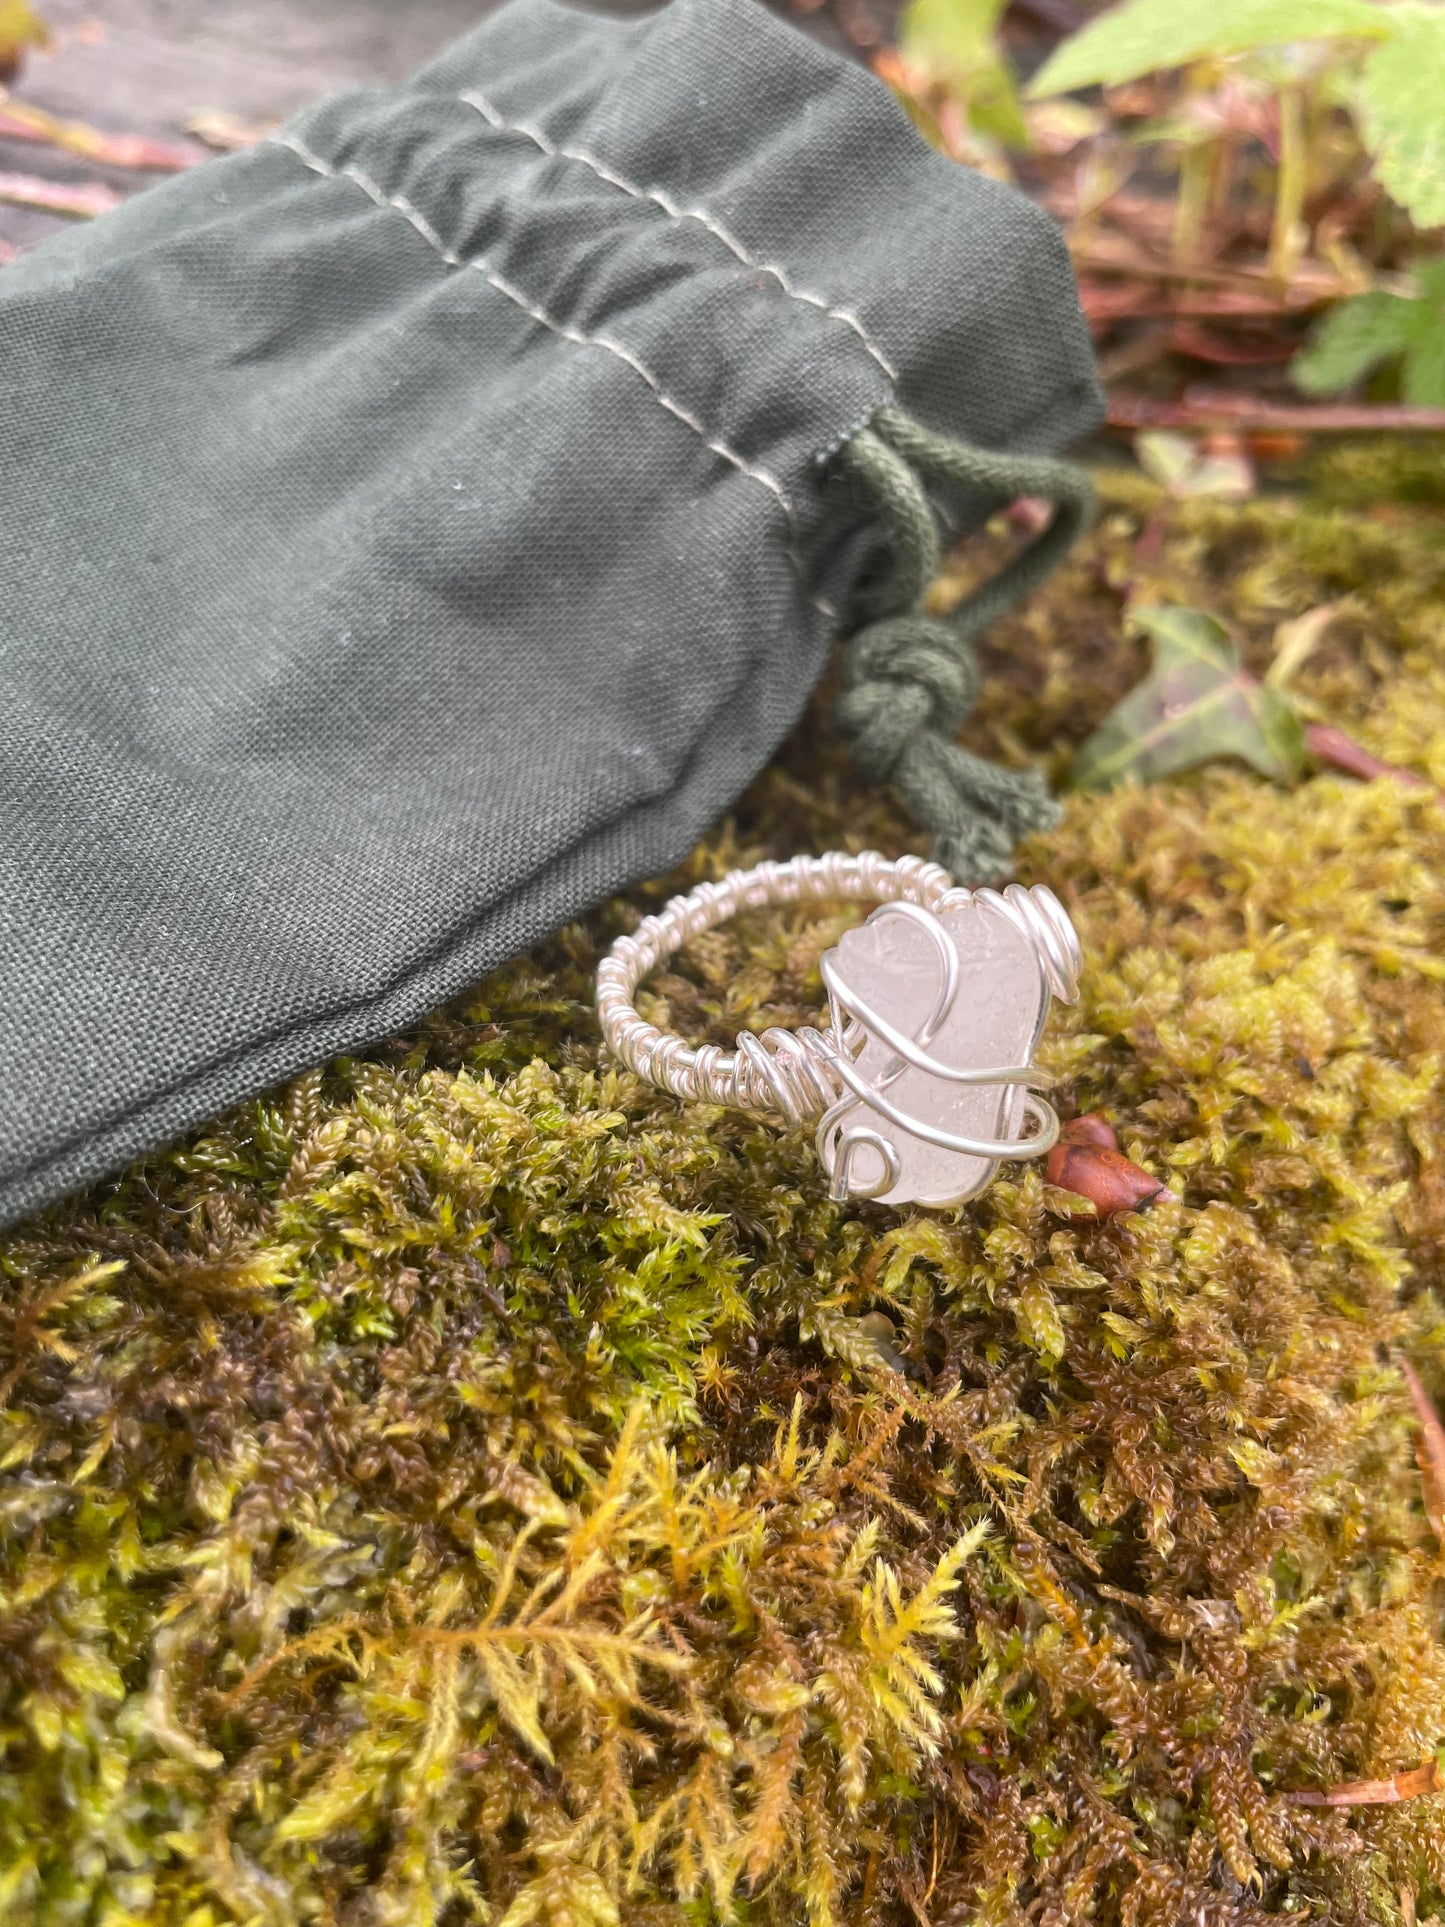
[(460, 1487)]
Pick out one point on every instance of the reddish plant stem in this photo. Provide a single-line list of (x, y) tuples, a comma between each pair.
[(1429, 1449), (1201, 408), (1334, 748), (82, 202), (20, 121)]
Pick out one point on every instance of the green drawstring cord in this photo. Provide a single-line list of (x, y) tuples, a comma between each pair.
[(910, 678)]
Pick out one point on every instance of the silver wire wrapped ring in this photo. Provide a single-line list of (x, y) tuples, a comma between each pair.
[(923, 1079)]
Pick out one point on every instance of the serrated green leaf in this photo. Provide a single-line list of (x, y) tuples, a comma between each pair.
[(1402, 102), (1360, 334), (1353, 338), (1424, 380), (1197, 705), (1144, 36), (955, 42)]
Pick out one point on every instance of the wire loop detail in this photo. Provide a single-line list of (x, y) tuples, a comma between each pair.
[(813, 1073)]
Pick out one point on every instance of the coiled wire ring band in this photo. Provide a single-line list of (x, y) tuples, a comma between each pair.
[(899, 1059)]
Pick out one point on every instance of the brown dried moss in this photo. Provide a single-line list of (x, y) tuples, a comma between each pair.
[(468, 1486)]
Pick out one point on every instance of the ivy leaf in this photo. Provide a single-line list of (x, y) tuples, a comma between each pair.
[(1143, 36), (955, 42), (1402, 107), (1190, 472), (1197, 704), (1360, 334)]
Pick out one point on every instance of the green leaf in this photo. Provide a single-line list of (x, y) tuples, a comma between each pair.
[(1353, 338), (954, 42), (1402, 103), (949, 36), (1143, 36), (1360, 334), (1197, 704), (1424, 382)]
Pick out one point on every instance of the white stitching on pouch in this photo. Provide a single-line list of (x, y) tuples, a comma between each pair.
[(482, 266), (489, 113)]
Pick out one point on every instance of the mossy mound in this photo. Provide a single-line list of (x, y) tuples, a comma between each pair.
[(464, 1487)]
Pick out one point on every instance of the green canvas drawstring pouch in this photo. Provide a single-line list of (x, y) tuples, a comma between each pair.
[(424, 523)]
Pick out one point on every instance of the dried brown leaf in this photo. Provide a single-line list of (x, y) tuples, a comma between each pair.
[(1408, 1785)]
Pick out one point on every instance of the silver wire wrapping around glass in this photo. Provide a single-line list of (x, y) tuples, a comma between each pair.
[(919, 1089)]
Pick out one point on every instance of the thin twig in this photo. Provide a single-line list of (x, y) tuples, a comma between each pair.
[(82, 202), (20, 121), (1429, 1449), (1202, 408), (1105, 252)]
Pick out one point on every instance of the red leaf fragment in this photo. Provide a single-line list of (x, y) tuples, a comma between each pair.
[(1087, 1161), (1429, 1449), (1090, 1128), (1408, 1785)]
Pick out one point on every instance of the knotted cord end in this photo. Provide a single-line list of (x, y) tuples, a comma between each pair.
[(910, 678)]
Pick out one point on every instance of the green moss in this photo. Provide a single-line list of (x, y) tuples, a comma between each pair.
[(461, 1486)]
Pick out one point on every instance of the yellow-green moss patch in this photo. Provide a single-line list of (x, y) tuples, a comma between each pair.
[(460, 1487)]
